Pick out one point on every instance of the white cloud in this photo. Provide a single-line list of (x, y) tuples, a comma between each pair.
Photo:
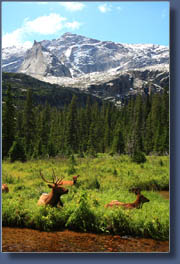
[(15, 38), (104, 8), (73, 6), (44, 25), (73, 25)]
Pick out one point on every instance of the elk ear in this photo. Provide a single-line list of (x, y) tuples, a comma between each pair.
[(50, 185)]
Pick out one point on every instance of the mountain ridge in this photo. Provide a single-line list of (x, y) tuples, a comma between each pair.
[(104, 68), (83, 55)]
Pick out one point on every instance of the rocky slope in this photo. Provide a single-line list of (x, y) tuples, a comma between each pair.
[(85, 55), (12, 58)]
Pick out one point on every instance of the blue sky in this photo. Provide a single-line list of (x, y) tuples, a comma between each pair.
[(124, 22)]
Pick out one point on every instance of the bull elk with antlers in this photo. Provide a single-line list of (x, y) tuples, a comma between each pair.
[(138, 203), (52, 198), (70, 183), (5, 188)]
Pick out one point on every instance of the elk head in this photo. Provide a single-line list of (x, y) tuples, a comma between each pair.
[(141, 200), (53, 198), (75, 178)]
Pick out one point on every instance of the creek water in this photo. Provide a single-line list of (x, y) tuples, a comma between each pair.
[(28, 240), (164, 194)]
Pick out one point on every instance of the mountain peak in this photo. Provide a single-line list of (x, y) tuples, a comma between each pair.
[(37, 44), (66, 34)]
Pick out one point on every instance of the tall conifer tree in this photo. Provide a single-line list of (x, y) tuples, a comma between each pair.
[(8, 124)]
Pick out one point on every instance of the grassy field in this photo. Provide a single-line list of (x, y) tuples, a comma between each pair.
[(101, 180)]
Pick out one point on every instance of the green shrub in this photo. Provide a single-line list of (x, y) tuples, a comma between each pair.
[(139, 157), (82, 218), (91, 183)]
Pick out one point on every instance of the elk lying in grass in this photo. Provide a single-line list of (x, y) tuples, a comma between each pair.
[(53, 198), (70, 183), (138, 203), (5, 188)]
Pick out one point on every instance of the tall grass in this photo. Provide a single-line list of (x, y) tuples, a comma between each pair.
[(101, 180)]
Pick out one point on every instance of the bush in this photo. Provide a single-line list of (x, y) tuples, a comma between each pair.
[(82, 218), (139, 157)]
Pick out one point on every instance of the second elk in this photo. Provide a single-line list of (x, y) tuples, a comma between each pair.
[(138, 203), (70, 183)]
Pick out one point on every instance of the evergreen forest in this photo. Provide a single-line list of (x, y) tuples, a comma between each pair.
[(140, 127)]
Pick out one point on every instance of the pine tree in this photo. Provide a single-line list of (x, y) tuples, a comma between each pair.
[(165, 121), (92, 142), (134, 139), (156, 121), (107, 129), (45, 128), (72, 127), (29, 125), (148, 136), (118, 141), (8, 124)]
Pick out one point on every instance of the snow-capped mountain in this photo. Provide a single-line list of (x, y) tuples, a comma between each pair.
[(85, 55), (103, 68)]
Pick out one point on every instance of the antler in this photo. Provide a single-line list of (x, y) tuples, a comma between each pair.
[(44, 178), (54, 176), (58, 181)]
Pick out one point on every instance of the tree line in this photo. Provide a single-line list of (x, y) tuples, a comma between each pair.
[(141, 125)]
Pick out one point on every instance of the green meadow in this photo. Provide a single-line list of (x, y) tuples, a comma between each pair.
[(102, 179)]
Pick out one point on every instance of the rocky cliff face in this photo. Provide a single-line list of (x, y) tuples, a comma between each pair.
[(40, 62)]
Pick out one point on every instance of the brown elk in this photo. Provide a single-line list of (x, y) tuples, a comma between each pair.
[(70, 183), (52, 198), (5, 188), (138, 203)]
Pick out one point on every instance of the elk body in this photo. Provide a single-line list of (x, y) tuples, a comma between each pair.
[(70, 183), (52, 198), (138, 203), (5, 188)]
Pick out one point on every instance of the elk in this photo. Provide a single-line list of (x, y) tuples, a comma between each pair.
[(70, 183), (138, 203), (52, 198), (5, 188)]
